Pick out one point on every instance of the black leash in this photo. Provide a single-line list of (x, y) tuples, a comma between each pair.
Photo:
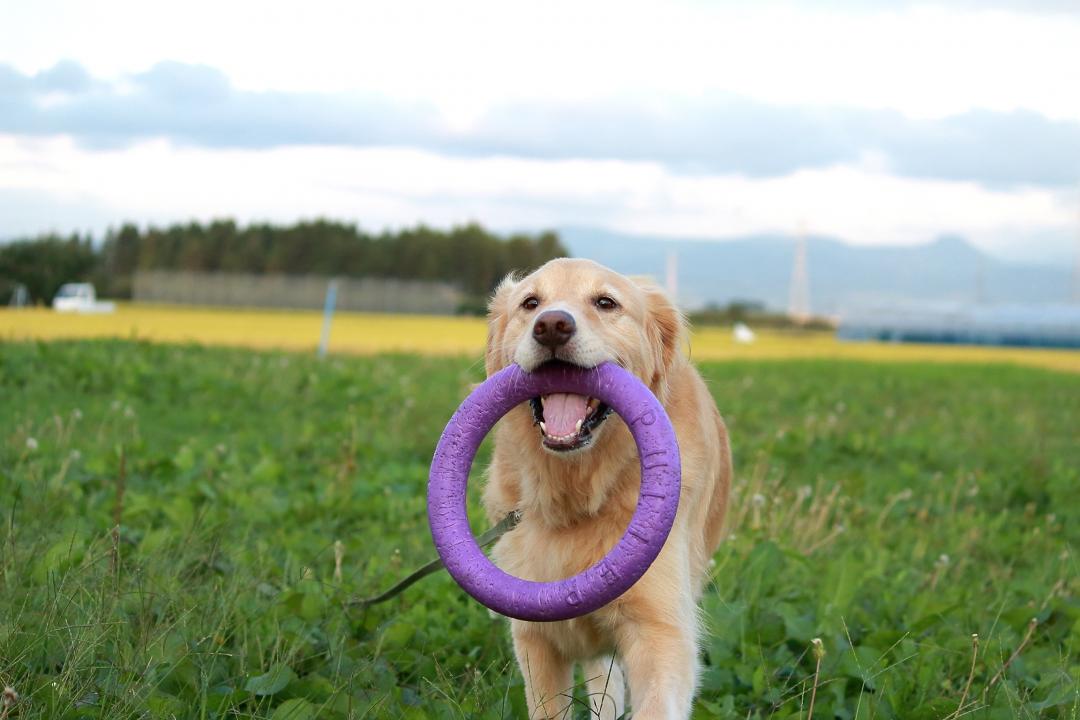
[(504, 526)]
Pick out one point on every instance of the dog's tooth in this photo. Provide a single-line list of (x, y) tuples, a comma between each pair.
[(543, 427), (543, 400), (577, 428)]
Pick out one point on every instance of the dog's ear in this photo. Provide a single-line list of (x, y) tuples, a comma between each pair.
[(665, 326), (498, 316)]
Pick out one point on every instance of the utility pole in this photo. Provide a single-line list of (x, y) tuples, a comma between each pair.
[(980, 280), (799, 291), (1076, 260), (672, 279)]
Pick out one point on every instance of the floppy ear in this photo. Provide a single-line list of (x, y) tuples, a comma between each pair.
[(498, 310), (664, 325)]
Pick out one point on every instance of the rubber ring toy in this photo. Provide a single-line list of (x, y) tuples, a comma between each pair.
[(649, 526)]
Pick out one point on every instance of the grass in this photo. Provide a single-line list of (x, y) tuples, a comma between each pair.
[(171, 520), (369, 333)]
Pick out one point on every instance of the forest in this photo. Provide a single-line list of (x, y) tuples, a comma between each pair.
[(468, 256)]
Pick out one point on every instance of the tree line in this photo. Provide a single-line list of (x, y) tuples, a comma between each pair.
[(468, 256)]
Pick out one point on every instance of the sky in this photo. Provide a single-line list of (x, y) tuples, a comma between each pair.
[(873, 122)]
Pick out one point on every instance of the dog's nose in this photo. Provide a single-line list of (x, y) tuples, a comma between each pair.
[(554, 328)]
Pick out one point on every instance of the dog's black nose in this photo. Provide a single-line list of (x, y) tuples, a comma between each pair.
[(554, 328)]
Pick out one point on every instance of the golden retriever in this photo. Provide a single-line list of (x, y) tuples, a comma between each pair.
[(571, 467)]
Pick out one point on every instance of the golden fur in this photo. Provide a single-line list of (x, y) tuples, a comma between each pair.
[(576, 505)]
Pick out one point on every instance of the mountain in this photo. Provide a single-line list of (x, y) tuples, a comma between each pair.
[(842, 277)]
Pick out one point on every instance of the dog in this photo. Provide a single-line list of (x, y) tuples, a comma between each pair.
[(571, 467)]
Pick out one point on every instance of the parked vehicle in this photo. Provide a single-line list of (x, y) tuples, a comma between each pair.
[(80, 298)]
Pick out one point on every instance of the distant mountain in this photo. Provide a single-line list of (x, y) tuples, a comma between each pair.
[(842, 277)]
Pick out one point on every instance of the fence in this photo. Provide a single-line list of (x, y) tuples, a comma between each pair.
[(296, 291)]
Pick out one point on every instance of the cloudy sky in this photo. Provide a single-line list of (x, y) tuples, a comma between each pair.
[(876, 122)]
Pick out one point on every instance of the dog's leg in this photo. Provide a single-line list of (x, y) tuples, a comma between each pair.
[(661, 663), (607, 691), (548, 675)]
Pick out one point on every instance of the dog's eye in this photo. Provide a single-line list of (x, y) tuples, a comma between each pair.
[(530, 303), (606, 303)]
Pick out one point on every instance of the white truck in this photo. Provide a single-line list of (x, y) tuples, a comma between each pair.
[(80, 298)]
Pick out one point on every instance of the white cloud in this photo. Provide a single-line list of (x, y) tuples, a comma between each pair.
[(923, 60), (381, 187), (726, 134)]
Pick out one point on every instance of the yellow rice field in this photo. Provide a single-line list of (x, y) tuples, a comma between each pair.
[(365, 333)]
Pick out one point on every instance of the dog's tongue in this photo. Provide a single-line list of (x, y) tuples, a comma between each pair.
[(562, 411)]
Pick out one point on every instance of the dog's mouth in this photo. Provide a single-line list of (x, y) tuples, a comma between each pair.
[(568, 421)]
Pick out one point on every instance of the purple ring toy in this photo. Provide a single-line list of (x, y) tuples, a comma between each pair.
[(632, 555)]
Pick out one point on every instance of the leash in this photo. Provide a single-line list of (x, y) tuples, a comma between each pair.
[(504, 526)]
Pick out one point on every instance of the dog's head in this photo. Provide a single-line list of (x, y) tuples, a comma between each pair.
[(579, 312)]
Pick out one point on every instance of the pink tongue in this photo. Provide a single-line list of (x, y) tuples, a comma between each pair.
[(562, 411)]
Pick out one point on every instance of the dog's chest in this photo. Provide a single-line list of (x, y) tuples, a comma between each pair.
[(534, 551)]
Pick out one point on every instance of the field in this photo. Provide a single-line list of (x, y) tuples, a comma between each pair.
[(182, 527), (365, 334)]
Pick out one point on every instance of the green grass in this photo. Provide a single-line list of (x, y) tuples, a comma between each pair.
[(890, 510)]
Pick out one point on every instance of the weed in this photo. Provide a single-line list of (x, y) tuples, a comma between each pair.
[(184, 536)]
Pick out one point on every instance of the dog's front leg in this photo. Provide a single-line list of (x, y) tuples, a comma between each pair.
[(661, 663), (606, 688), (548, 674)]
